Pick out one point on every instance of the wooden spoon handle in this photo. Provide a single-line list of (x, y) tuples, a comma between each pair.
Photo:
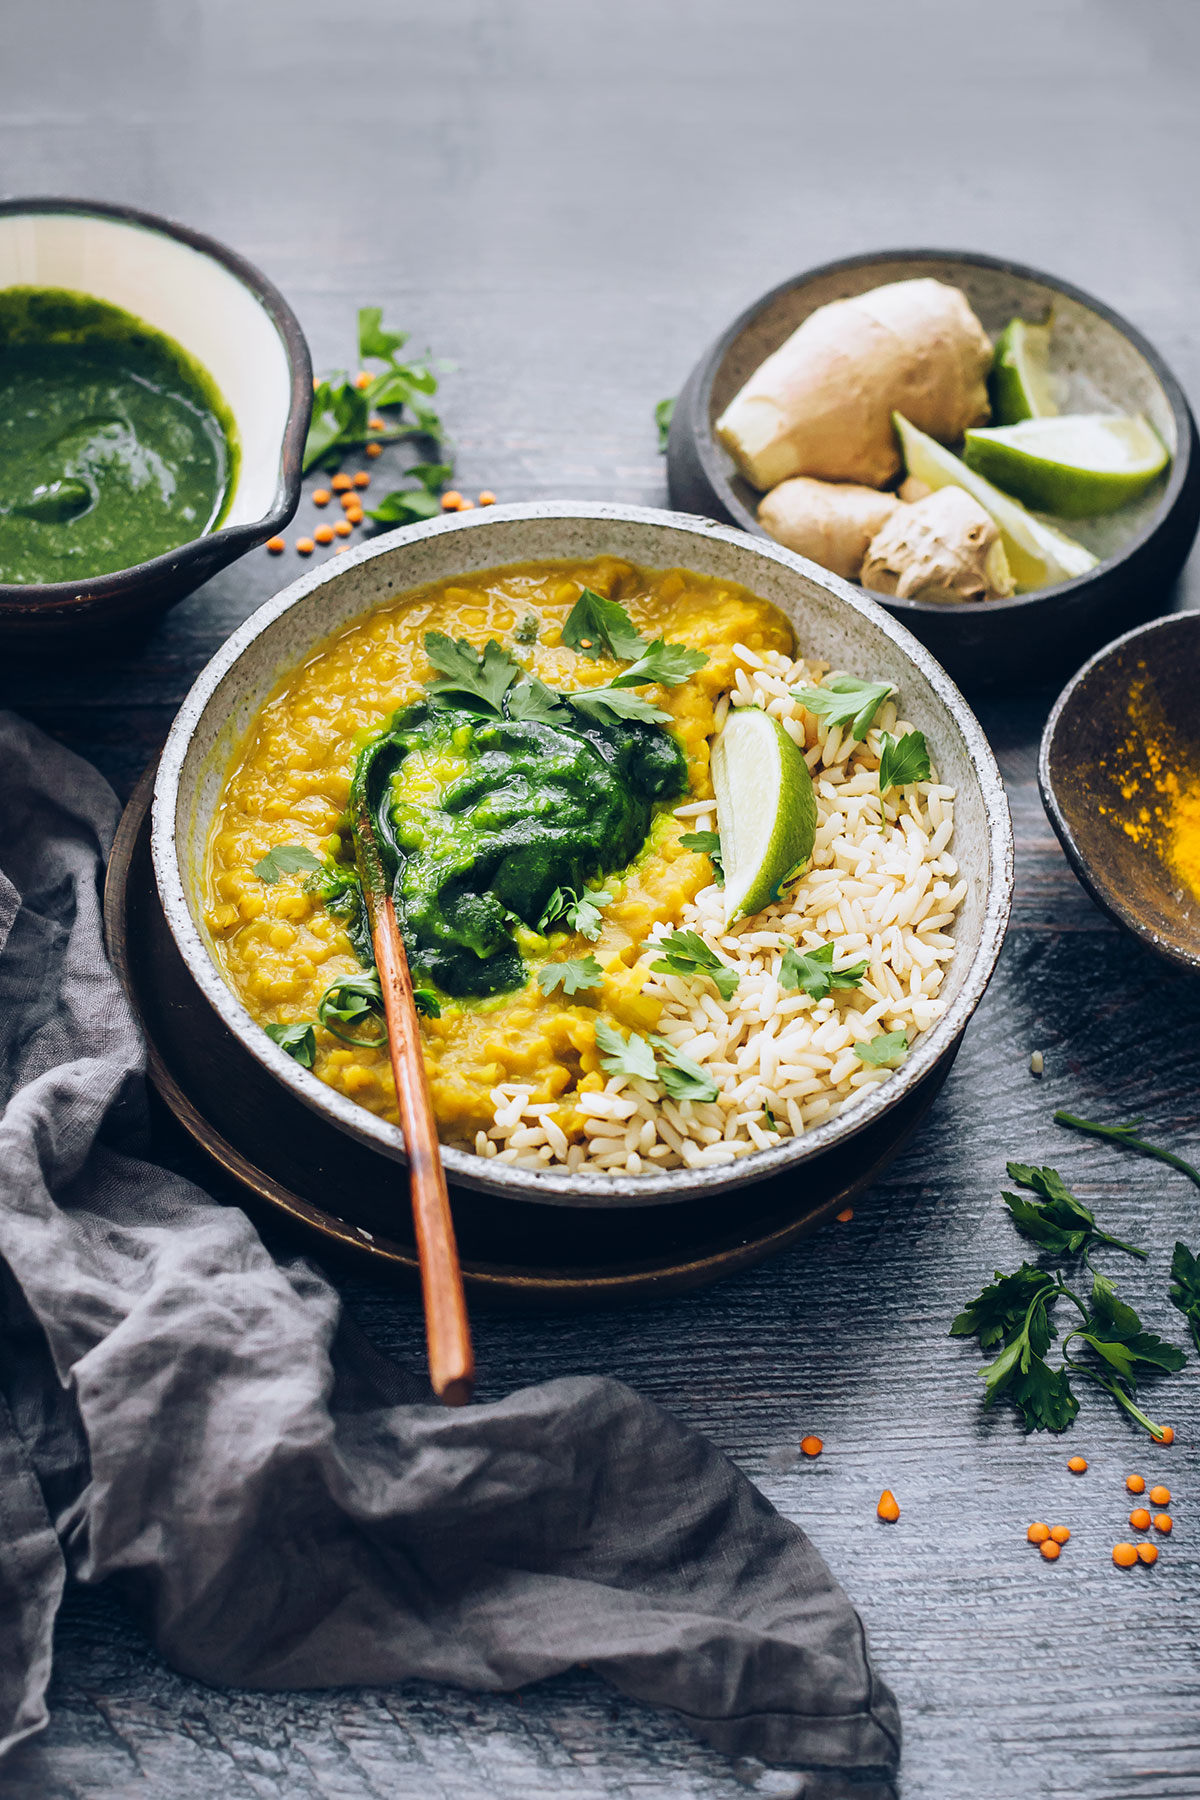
[(447, 1330)]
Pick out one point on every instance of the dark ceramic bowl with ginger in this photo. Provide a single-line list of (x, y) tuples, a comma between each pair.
[(1104, 364), (1119, 773)]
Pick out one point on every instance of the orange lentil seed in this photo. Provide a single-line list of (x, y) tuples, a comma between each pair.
[(1136, 1484), (1038, 1533), (1125, 1555), (343, 528), (451, 500), (1167, 1435), (305, 546), (1051, 1549), (355, 516), (362, 479), (1163, 1522), (1060, 1533), (1077, 1465), (1139, 1518), (466, 506), (375, 423), (811, 1446), (276, 545), (845, 1216), (1147, 1553), (889, 1506), (340, 483), (321, 496), (487, 498), (362, 379), (351, 501), (374, 449), (1160, 1496), (324, 534)]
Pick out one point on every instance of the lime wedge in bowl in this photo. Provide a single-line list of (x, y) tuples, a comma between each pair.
[(1038, 554), (1077, 466), (1022, 386), (766, 809)]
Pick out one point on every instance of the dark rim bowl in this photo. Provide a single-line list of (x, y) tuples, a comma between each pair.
[(831, 619), (235, 323), (1092, 788), (997, 641)]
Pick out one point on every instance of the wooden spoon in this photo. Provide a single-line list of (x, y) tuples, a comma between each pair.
[(447, 1329)]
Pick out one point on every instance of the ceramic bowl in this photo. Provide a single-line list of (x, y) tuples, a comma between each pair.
[(226, 315), (832, 620), (1103, 790), (1108, 366)]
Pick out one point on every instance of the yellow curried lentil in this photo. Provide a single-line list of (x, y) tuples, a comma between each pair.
[(277, 946)]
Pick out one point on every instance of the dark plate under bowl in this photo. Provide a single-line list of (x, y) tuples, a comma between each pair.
[(1107, 363), (238, 326), (1120, 730)]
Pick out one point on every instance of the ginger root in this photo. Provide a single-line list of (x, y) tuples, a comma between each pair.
[(944, 548), (832, 522), (822, 404)]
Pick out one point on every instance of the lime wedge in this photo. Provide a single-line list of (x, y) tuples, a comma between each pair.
[(766, 809), (1038, 554), (1021, 383), (1076, 466)]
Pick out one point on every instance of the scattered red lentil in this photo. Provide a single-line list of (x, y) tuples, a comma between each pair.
[(1139, 1518), (1077, 1465), (811, 1446), (374, 449), (451, 500), (1051, 1549), (466, 506), (1160, 1496), (350, 499), (276, 545), (1124, 1555), (343, 528), (1147, 1553), (1167, 1435), (362, 379), (1136, 1484), (324, 534), (1038, 1533), (845, 1216), (362, 479), (305, 546), (354, 516), (340, 483), (487, 498), (1060, 1533), (375, 424), (889, 1506), (320, 496), (1163, 1522)]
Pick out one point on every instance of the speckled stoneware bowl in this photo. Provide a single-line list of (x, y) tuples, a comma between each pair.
[(832, 620), (1108, 367)]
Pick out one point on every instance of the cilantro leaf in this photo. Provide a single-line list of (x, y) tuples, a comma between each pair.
[(813, 971), (624, 1056), (530, 698), (667, 664), (1058, 1222), (595, 626), (374, 343), (1001, 1308), (686, 954), (407, 506), (844, 700), (578, 972), (350, 1002), (342, 410), (477, 683), (707, 843), (904, 760), (664, 412), (610, 706), (286, 859), (298, 1039), (581, 911), (427, 1003), (1184, 1291), (680, 1076), (884, 1051)]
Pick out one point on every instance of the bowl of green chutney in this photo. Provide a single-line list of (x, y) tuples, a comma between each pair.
[(155, 393)]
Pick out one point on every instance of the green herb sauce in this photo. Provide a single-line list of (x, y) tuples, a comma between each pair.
[(115, 446), (480, 819)]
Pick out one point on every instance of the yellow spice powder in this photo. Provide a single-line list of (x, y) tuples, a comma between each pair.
[(1151, 766)]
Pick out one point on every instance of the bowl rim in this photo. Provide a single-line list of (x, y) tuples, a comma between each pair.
[(556, 1187), (1107, 899), (229, 540), (696, 419)]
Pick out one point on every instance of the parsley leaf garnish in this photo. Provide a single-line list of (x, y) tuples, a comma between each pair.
[(409, 505), (624, 1056), (1058, 1222), (530, 698), (844, 700), (708, 843), (596, 626), (298, 1039), (680, 1076), (903, 760), (478, 683), (1184, 1291), (663, 414), (351, 1002), (427, 1003), (813, 971), (342, 411), (286, 859), (340, 889), (581, 911), (686, 954), (884, 1051), (667, 664), (610, 705), (578, 972)]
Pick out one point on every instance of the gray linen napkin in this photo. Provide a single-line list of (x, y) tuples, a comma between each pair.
[(185, 1416)]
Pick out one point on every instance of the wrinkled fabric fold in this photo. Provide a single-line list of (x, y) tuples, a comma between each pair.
[(185, 1416)]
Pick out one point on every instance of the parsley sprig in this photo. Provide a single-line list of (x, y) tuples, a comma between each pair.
[(903, 760), (286, 859), (844, 700), (571, 976), (708, 843), (682, 1078), (342, 411), (685, 953), (408, 506), (581, 912), (812, 971), (298, 1039), (1184, 1291)]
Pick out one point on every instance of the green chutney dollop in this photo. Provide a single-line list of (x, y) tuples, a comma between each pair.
[(480, 820), (115, 445)]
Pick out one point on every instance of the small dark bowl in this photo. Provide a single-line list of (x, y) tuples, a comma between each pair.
[(1106, 362), (1099, 787), (236, 325)]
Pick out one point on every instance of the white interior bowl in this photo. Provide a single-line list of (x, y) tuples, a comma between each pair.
[(228, 317), (832, 620)]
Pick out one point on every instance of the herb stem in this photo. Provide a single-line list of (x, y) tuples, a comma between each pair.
[(1118, 1393), (1127, 1135)]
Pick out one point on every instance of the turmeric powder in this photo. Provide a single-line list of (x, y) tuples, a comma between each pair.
[(1153, 767)]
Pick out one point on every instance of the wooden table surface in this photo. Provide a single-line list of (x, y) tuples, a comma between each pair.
[(570, 198)]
